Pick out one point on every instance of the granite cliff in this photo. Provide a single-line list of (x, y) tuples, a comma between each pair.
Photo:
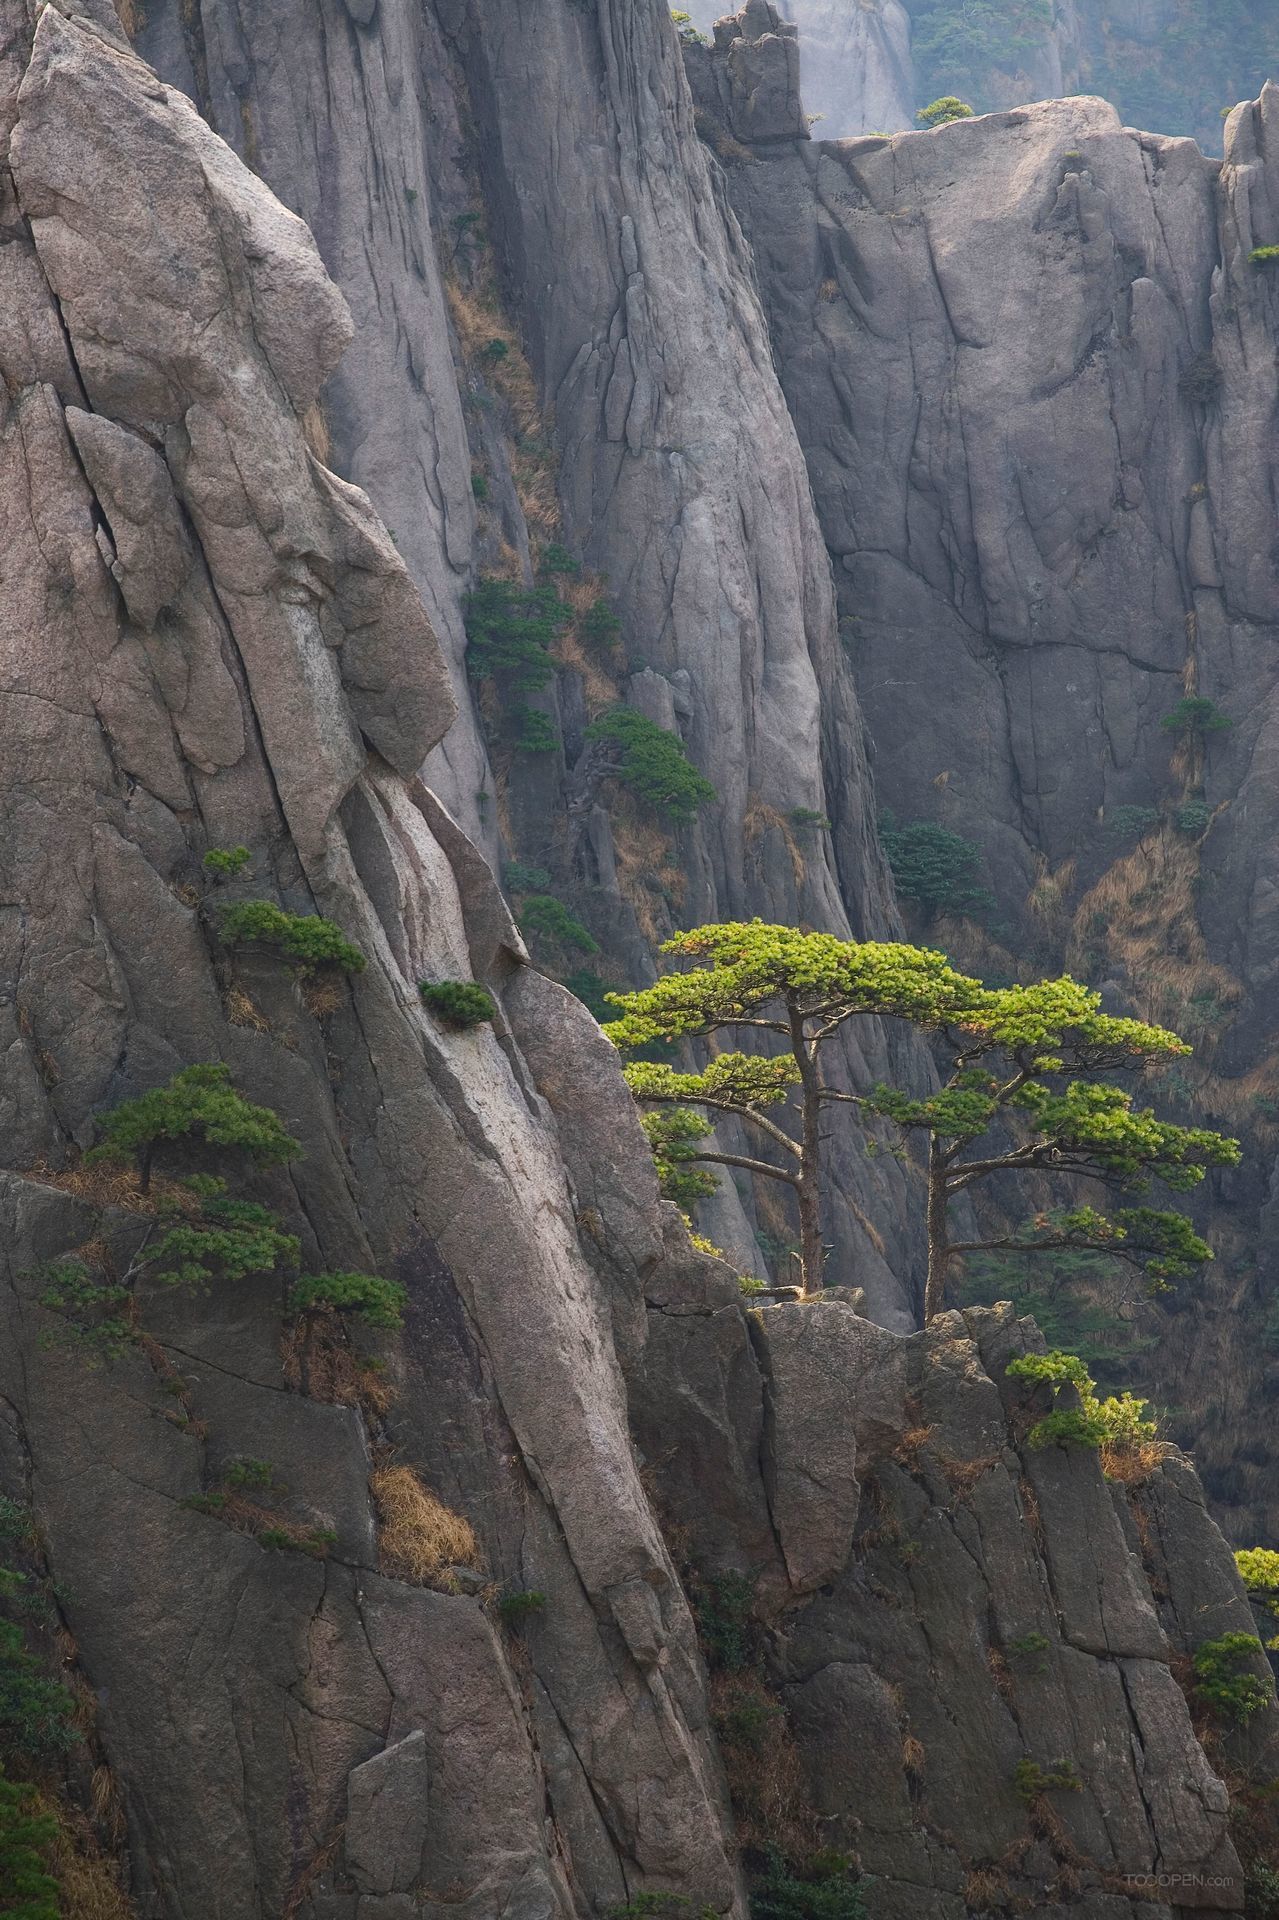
[(682, 1535)]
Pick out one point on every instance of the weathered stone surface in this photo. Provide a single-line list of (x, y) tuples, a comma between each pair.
[(386, 1817)]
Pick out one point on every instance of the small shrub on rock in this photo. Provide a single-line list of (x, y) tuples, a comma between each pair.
[(940, 112), (1031, 1780), (1193, 817), (1223, 1679), (652, 763), (543, 914), (822, 1888), (199, 1104), (458, 1003), (27, 1890), (227, 862), (37, 1715), (515, 1608), (934, 867), (1264, 257), (306, 940), (1195, 715), (362, 1296), (510, 629)]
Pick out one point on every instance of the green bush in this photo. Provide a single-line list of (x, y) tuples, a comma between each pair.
[(542, 913), (942, 111), (808, 817), (964, 44), (822, 1889), (459, 1003), (1264, 256), (226, 862), (1119, 1422), (1193, 817), (1030, 1779), (36, 1714), (1259, 1571), (510, 630), (27, 1891), (1072, 1295), (652, 763), (1131, 823), (199, 1102), (515, 1608), (934, 867), (249, 1473), (378, 1303), (601, 629), (304, 939), (558, 559), (1195, 715), (726, 1621), (1222, 1678), (1202, 380), (534, 730), (1261, 1892), (480, 487), (675, 1134)]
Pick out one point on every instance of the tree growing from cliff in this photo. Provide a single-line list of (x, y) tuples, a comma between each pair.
[(1026, 1086)]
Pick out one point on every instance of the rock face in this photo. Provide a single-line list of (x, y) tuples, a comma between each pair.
[(855, 65), (211, 641), (1041, 488), (681, 482)]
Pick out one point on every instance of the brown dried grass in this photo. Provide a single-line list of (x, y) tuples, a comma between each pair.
[(985, 1887), (1141, 916), (323, 995), (89, 1881), (318, 1360), (643, 849), (104, 1186), (914, 1758), (315, 431), (761, 818), (962, 1475), (132, 18), (418, 1535), (766, 1781), (1133, 1464), (241, 1012)]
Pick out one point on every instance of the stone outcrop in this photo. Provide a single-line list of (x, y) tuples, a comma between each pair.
[(856, 73)]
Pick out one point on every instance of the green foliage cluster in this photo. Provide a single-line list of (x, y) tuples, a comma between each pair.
[(601, 630), (941, 112), (1118, 1422), (523, 879), (557, 559), (1192, 818), (1264, 257), (37, 1715), (1202, 380), (27, 1890), (803, 817), (1131, 823), (675, 1137), (1031, 1779), (1259, 1571), (534, 730), (305, 939), (227, 862), (543, 914), (1223, 1678), (1194, 715), (510, 629), (1261, 1891), (652, 763), (362, 1296), (198, 1104), (684, 27), (823, 1888), (458, 1003), (726, 1622), (1206, 52), (659, 1906), (933, 867), (517, 1607)]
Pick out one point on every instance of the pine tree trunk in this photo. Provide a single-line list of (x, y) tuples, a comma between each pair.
[(938, 1232)]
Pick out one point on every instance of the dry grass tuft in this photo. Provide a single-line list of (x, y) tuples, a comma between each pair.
[(913, 1756), (105, 1186), (999, 1672), (1140, 919), (1133, 1464), (132, 17), (315, 431), (88, 1879), (985, 1887), (760, 819), (241, 1012), (765, 1776), (963, 1475), (323, 995), (912, 1444), (318, 1360), (645, 870), (419, 1536)]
